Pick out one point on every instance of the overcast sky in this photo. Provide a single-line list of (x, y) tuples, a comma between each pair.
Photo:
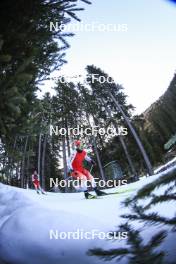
[(142, 58)]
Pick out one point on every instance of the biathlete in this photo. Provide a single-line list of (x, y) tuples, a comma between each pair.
[(77, 171), (36, 182)]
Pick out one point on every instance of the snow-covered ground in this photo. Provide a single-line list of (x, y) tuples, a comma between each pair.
[(27, 220)]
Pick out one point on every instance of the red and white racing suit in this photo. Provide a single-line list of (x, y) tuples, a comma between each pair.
[(75, 163), (35, 180)]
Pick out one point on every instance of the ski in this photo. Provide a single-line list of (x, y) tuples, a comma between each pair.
[(89, 196), (93, 198), (120, 192)]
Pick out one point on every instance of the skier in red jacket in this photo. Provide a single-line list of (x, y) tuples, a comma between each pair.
[(75, 166), (36, 182)]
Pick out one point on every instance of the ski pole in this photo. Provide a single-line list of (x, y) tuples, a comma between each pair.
[(91, 168)]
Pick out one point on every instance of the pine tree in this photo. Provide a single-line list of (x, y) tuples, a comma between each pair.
[(137, 251)]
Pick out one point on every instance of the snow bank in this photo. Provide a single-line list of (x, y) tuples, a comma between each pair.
[(25, 231), (167, 165), (26, 220)]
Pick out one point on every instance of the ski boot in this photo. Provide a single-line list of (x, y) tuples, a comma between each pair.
[(89, 196)]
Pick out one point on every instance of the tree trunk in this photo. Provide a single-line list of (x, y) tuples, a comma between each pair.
[(122, 142), (43, 162), (23, 162), (98, 159), (139, 143), (28, 176), (12, 158), (64, 160), (128, 157), (102, 175), (68, 140), (39, 154)]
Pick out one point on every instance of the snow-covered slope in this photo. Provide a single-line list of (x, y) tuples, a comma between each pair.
[(26, 220)]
